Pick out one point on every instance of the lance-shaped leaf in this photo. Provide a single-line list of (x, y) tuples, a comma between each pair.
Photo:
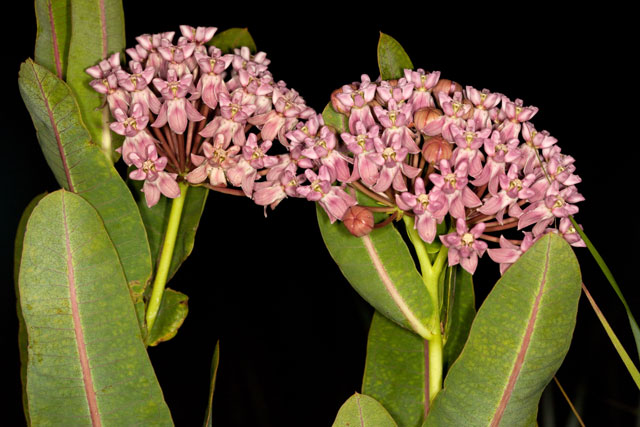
[(54, 33), (87, 363), (392, 59), (460, 303), (233, 38), (80, 167), (517, 342), (215, 362), (380, 268), (364, 411), (395, 372), (98, 31), (336, 120), (173, 310), (156, 219), (22, 332)]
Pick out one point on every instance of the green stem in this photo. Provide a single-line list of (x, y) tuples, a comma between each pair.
[(165, 257), (430, 275)]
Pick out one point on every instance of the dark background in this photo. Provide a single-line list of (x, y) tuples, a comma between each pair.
[(292, 331)]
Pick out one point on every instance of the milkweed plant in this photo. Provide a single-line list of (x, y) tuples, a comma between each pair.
[(416, 180)]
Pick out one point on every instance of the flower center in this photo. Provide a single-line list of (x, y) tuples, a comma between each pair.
[(423, 199), (467, 239), (389, 153), (148, 165)]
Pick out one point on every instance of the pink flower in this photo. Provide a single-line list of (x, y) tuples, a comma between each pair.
[(216, 161), (156, 180), (177, 110), (464, 246), (508, 253), (422, 85), (430, 209)]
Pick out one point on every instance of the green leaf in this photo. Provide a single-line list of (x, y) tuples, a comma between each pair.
[(80, 167), (517, 342), (336, 120), (233, 38), (173, 310), (22, 332), (364, 411), (98, 32), (395, 370), (156, 218), (215, 362), (392, 59), (380, 268), (460, 301), (54, 34), (87, 363)]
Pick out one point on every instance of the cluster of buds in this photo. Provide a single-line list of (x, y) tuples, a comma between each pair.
[(190, 113), (425, 147)]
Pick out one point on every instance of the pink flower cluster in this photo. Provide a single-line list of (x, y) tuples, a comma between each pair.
[(186, 111), (425, 146)]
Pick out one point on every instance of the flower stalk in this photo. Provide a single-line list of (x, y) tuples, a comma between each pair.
[(166, 255)]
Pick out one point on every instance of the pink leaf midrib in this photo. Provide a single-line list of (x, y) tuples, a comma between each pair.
[(77, 326), (54, 126), (54, 40), (517, 367)]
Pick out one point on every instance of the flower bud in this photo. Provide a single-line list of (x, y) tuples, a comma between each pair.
[(436, 149), (358, 220), (447, 86), (424, 116), (471, 111), (337, 105)]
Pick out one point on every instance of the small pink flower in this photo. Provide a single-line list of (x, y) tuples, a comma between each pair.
[(464, 245), (156, 180)]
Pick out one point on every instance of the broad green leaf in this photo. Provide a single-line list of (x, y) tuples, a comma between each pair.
[(395, 370), (87, 363), (156, 219), (380, 268), (460, 301), (392, 59), (233, 38), (215, 362), (517, 342), (54, 33), (173, 310), (98, 32), (22, 332), (80, 167), (332, 118), (364, 411)]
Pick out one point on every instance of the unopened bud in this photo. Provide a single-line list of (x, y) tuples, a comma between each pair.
[(337, 105), (436, 149), (424, 116), (447, 86), (358, 220), (471, 110)]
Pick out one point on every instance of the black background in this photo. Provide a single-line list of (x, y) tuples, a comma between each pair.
[(292, 331)]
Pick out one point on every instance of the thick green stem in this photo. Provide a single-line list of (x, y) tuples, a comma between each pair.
[(165, 256), (430, 276)]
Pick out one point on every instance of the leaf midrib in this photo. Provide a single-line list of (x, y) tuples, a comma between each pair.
[(77, 326), (526, 341)]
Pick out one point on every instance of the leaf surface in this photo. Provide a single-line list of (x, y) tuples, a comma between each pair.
[(364, 411), (392, 58), (173, 310), (461, 303), (395, 371), (380, 268), (517, 342), (336, 120), (98, 32), (215, 362), (54, 33), (233, 38), (80, 167), (87, 363)]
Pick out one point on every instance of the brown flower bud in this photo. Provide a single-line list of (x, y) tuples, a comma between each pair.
[(469, 114), (358, 220), (436, 149), (424, 116), (447, 86)]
